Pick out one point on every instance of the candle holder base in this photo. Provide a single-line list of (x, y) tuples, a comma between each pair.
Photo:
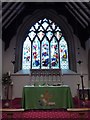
[(6, 105)]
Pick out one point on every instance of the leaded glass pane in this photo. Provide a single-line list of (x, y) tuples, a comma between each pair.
[(41, 29), (63, 54), (36, 26), (45, 20), (41, 35), (57, 29), (49, 35), (36, 53), (40, 21), (54, 53), (58, 35), (32, 29), (53, 26), (45, 25), (49, 29), (26, 60), (45, 54), (50, 21), (32, 35)]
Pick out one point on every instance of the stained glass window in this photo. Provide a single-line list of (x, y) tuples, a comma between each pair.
[(54, 53), (63, 54), (26, 60), (45, 54), (45, 47), (36, 53)]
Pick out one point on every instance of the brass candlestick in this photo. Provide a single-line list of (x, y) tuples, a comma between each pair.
[(82, 87)]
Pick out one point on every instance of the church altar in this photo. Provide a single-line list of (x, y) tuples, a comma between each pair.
[(46, 97)]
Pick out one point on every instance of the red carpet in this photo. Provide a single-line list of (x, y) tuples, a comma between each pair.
[(43, 114), (48, 115)]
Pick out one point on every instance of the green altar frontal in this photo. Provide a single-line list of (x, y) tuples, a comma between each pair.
[(47, 97)]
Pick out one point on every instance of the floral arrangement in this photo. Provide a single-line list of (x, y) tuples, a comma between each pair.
[(6, 79)]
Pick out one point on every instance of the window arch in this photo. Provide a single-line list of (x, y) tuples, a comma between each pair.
[(46, 38), (48, 27)]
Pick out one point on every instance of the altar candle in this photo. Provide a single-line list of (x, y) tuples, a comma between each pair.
[(9, 73), (61, 72), (78, 82), (81, 70), (81, 73)]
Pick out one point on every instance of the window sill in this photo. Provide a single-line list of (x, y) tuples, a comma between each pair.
[(21, 73), (27, 72)]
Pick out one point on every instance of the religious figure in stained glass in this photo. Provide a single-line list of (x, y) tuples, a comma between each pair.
[(45, 53), (54, 53), (63, 54), (36, 54), (26, 59)]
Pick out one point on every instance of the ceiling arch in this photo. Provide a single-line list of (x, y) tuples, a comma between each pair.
[(77, 14)]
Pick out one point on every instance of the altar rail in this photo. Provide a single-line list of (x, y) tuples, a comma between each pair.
[(81, 112), (10, 112)]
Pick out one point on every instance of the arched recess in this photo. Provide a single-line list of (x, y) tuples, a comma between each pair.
[(30, 21)]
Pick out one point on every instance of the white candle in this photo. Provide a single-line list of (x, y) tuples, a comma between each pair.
[(61, 72), (9, 73), (81, 73), (81, 70), (11, 83), (78, 82)]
